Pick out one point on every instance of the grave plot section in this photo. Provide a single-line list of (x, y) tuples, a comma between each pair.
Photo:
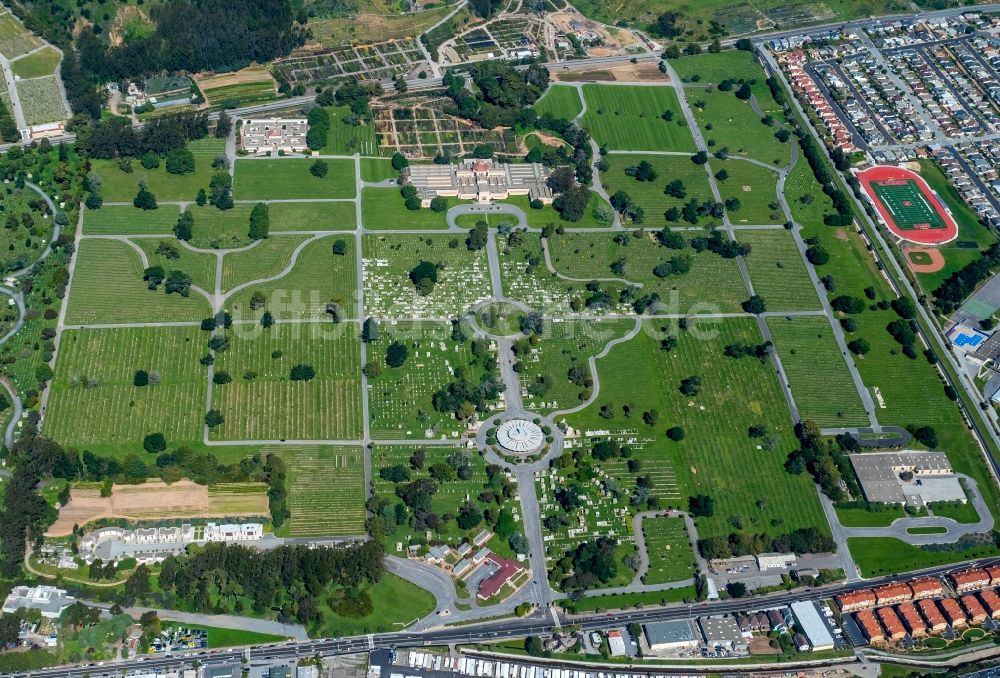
[(663, 183), (326, 489), (108, 287), (821, 383), (712, 68), (95, 400), (27, 227), (220, 229), (128, 220), (778, 272), (526, 279), (731, 123), (642, 380), (686, 280), (427, 276), (291, 179), (170, 254), (554, 371), (269, 399), (41, 100), (410, 399), (749, 191), (323, 275), (417, 488), (670, 552), (265, 259), (121, 176), (634, 118), (15, 39)]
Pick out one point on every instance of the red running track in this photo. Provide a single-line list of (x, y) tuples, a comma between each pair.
[(929, 236)]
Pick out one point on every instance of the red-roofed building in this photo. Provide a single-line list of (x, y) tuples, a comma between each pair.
[(858, 600), (912, 620), (890, 620), (977, 615), (871, 629), (890, 594), (492, 585), (970, 580), (926, 587), (991, 601), (952, 612), (932, 614), (994, 572)]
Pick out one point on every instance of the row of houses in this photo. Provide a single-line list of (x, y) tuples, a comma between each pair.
[(809, 91), (976, 578), (927, 616), (982, 158), (890, 594)]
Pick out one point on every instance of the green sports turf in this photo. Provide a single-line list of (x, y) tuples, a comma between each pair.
[(907, 205)]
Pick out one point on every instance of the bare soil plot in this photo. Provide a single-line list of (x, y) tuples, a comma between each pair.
[(155, 499)]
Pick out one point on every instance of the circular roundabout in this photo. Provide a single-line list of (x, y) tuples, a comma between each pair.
[(520, 436)]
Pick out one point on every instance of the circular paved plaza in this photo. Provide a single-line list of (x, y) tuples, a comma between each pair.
[(520, 436)]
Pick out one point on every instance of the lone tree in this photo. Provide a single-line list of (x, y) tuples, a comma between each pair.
[(755, 305), (184, 226), (399, 162), (701, 505), (141, 378), (478, 236), (675, 433), (319, 168), (339, 247), (302, 372), (690, 386), (214, 418), (396, 354), (369, 331), (154, 442), (260, 222), (144, 200), (424, 276)]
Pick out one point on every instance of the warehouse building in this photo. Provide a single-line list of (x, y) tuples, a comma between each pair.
[(813, 627), (723, 631), (48, 600), (672, 637)]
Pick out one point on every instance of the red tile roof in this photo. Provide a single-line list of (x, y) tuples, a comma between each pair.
[(952, 612), (931, 612), (868, 624), (856, 600), (890, 621), (967, 578), (911, 618), (973, 607), (925, 587), (893, 592)]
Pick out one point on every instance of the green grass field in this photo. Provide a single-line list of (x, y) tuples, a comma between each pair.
[(755, 187), (730, 64), (269, 406), (539, 218), (671, 557), (877, 556), (397, 603), (650, 194), (312, 216), (127, 220), (122, 186), (108, 288), (318, 277), (220, 637), (777, 271), (41, 63), (590, 255), (562, 101), (377, 169), (735, 126), (114, 411), (399, 399), (383, 208), (629, 118), (326, 490), (821, 384), (716, 451), (290, 179), (265, 259), (389, 293)]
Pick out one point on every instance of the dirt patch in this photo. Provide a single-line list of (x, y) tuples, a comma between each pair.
[(762, 645), (639, 73), (127, 15), (247, 75), (924, 259), (155, 500), (840, 234)]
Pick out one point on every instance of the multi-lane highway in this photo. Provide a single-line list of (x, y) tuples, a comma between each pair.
[(486, 632)]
